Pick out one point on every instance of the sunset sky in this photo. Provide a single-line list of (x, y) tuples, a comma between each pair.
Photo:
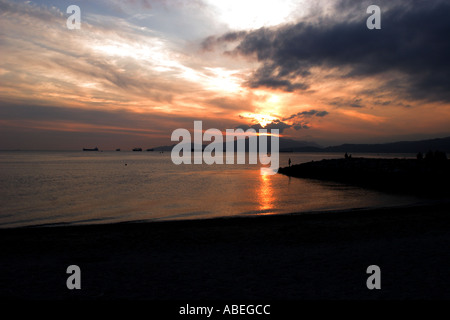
[(138, 70)]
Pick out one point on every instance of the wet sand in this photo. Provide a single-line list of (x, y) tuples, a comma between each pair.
[(284, 257)]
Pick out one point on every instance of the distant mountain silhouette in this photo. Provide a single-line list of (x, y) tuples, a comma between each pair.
[(285, 144), (290, 145), (442, 144)]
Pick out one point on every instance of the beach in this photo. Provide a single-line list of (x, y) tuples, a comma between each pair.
[(317, 256)]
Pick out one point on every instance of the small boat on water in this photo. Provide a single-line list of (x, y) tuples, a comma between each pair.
[(137, 149), (87, 149)]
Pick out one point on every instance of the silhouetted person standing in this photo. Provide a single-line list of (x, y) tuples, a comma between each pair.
[(289, 162), (420, 156)]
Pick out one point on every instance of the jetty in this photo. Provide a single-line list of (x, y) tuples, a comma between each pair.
[(418, 176)]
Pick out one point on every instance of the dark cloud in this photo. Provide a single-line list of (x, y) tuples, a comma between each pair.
[(299, 126), (211, 42), (308, 113), (322, 113), (276, 124), (232, 36), (412, 44), (298, 121), (267, 77), (353, 103)]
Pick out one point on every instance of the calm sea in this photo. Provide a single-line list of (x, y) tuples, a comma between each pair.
[(51, 188)]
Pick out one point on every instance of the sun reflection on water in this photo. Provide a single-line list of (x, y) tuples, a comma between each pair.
[(266, 196)]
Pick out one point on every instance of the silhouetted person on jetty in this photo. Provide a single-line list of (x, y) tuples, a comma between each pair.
[(420, 156), (289, 162)]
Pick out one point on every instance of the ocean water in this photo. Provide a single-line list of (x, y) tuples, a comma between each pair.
[(53, 188)]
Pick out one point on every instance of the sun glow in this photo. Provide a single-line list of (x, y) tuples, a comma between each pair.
[(254, 14), (223, 80), (262, 119)]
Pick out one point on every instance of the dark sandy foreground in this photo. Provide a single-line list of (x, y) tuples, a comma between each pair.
[(313, 256)]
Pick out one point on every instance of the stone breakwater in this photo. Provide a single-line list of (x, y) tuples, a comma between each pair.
[(430, 177)]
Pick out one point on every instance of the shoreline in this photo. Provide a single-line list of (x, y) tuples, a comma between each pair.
[(286, 256), (421, 202)]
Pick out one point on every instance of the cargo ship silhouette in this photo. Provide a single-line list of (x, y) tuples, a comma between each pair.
[(87, 149)]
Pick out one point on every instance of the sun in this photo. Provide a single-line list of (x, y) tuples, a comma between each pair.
[(262, 119)]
